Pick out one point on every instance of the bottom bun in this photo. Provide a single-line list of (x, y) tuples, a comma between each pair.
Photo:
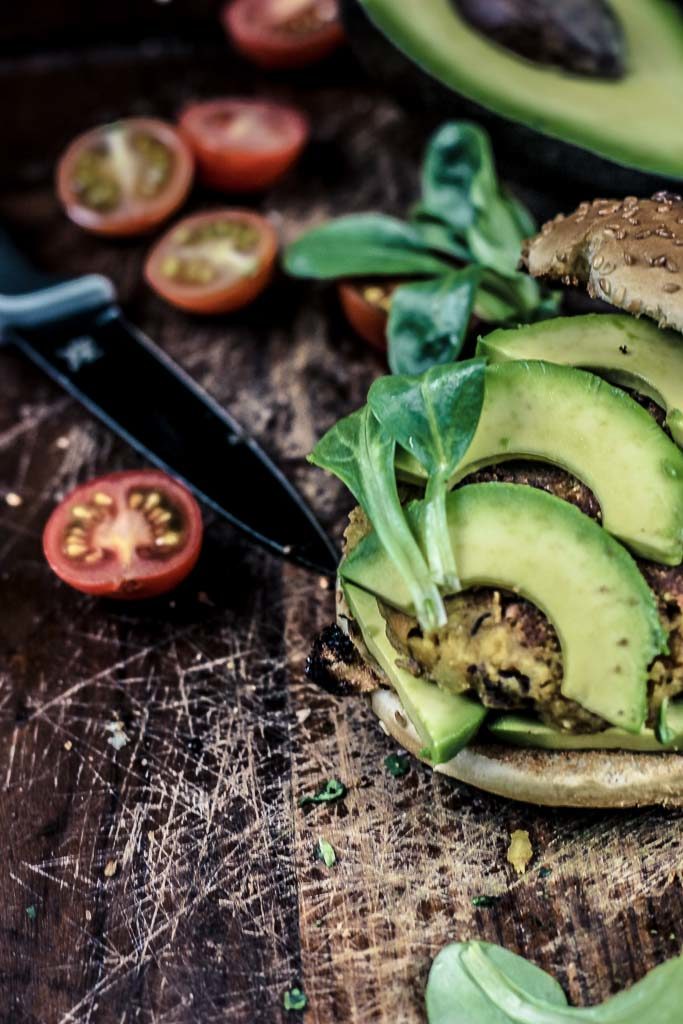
[(563, 778)]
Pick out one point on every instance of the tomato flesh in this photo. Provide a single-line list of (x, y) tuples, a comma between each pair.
[(284, 33), (366, 305), (243, 145), (125, 178), (127, 535), (213, 262)]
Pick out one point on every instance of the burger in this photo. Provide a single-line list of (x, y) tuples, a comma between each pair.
[(510, 598)]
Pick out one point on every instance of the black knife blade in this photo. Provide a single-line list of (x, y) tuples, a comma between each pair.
[(77, 334)]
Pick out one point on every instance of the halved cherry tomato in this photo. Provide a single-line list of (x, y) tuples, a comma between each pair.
[(284, 33), (243, 145), (126, 177), (213, 262), (367, 304), (126, 535)]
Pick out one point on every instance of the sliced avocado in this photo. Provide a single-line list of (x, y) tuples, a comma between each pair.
[(534, 544), (634, 353), (558, 414), (529, 732), (445, 722), (629, 121)]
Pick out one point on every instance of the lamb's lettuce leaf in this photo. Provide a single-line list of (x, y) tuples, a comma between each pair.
[(434, 417), (478, 981), (361, 453), (363, 245), (428, 321)]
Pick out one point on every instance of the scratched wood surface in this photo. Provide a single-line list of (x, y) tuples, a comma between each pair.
[(171, 879)]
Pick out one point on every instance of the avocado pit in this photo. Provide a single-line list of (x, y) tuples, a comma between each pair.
[(583, 37)]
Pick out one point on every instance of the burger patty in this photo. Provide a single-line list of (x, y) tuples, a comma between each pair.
[(501, 648)]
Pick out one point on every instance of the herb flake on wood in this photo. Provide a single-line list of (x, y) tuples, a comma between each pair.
[(295, 999), (485, 901), (324, 851), (397, 765), (328, 793)]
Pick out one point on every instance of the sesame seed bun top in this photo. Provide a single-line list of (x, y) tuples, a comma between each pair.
[(627, 252)]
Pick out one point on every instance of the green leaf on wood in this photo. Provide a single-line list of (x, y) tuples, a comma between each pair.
[(363, 245), (397, 765), (478, 981), (330, 791), (428, 321), (295, 999), (324, 851)]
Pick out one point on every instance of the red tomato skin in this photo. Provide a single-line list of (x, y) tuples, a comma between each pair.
[(210, 301), (148, 216), (126, 587), (230, 169), (267, 47), (367, 320)]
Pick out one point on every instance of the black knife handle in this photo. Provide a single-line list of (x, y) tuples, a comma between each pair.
[(56, 302)]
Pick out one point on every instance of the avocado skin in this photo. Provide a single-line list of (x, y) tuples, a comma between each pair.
[(528, 156), (528, 732)]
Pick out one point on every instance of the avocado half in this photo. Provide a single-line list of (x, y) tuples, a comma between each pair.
[(611, 133)]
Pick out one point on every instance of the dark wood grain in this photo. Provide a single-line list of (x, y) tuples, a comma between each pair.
[(213, 903), (49, 24)]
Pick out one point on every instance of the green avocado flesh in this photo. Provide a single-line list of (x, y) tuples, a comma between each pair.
[(444, 721), (526, 541), (630, 352), (527, 732), (632, 121), (558, 414)]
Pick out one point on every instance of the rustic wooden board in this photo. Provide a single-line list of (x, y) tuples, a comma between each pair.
[(212, 903)]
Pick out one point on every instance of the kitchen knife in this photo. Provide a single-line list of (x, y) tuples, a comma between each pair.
[(75, 331)]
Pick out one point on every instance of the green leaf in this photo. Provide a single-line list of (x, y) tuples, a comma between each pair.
[(330, 791), (526, 224), (362, 245), (295, 999), (477, 981), (491, 308), (519, 295), (428, 321), (361, 454), (434, 417), (324, 851), (439, 237), (494, 239), (460, 189), (458, 176), (453, 995)]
